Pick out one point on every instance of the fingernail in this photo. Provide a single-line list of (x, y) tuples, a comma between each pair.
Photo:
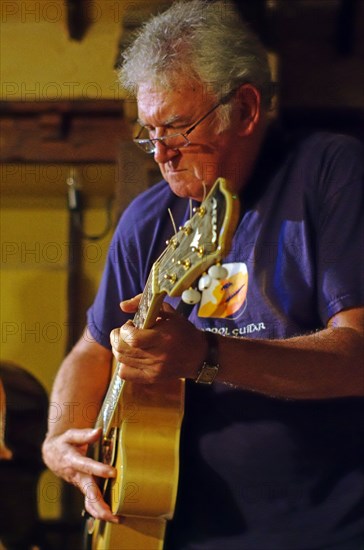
[(115, 520)]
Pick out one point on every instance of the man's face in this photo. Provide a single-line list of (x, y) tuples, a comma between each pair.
[(210, 154)]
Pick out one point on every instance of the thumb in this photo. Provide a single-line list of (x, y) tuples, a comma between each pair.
[(131, 305), (167, 308), (84, 435)]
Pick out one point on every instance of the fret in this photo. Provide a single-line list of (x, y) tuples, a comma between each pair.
[(141, 314), (112, 397), (144, 304)]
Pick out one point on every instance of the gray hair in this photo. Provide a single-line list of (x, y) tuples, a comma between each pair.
[(197, 40)]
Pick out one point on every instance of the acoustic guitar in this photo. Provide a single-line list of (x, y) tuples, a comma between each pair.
[(141, 424)]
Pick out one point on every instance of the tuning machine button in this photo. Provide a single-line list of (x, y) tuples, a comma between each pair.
[(191, 296), (204, 282), (218, 272)]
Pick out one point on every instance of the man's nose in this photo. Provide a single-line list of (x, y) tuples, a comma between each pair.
[(163, 153)]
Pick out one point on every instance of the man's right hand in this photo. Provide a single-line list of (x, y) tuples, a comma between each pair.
[(65, 455)]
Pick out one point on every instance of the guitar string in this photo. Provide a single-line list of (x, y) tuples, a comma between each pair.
[(172, 220)]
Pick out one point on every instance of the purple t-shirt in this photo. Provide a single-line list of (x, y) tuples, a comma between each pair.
[(259, 473)]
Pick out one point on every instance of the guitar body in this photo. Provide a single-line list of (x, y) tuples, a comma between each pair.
[(148, 450), (133, 534), (141, 424), (144, 448)]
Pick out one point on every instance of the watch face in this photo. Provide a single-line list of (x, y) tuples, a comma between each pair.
[(207, 374)]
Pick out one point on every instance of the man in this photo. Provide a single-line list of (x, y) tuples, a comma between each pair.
[(271, 452)]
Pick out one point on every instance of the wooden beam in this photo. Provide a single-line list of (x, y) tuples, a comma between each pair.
[(62, 131)]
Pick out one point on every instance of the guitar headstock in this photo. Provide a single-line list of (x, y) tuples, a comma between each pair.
[(200, 243)]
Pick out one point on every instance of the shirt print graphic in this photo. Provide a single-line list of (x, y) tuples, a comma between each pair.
[(226, 298)]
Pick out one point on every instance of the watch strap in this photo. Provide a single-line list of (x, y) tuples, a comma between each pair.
[(210, 367)]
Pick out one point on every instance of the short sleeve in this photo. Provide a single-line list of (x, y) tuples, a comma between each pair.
[(119, 281), (340, 243)]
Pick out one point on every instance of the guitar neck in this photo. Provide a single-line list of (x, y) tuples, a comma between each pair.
[(150, 302), (144, 317)]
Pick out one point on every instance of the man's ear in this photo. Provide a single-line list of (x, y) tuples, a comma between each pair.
[(249, 105)]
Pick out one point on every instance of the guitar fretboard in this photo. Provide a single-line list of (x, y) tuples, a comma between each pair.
[(110, 402), (116, 385), (144, 304)]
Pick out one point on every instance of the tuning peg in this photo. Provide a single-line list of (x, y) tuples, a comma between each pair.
[(218, 272), (200, 210), (204, 282), (185, 263), (200, 250), (173, 243), (186, 229), (172, 277), (191, 296)]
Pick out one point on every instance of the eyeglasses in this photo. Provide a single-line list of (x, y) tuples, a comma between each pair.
[(175, 141)]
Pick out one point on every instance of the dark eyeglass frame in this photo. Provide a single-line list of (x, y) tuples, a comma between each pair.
[(148, 144)]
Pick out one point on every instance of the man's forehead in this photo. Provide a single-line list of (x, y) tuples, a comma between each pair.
[(167, 104)]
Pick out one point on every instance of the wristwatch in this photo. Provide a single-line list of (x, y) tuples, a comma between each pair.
[(210, 367)]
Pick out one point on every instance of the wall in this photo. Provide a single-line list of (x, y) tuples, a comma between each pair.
[(40, 62)]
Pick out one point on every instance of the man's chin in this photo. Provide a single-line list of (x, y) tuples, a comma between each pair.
[(187, 188)]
